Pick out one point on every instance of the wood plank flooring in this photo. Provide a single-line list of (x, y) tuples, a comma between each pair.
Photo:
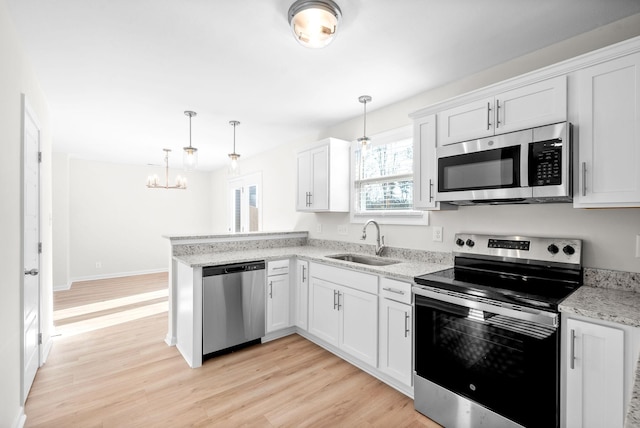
[(110, 367)]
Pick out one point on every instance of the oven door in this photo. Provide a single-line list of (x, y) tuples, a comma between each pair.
[(490, 356), (494, 168)]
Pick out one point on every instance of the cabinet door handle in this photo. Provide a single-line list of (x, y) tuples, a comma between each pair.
[(572, 356), (310, 199), (430, 190), (271, 289), (584, 179), (488, 116), (304, 278), (335, 293), (406, 324), (280, 267), (393, 290), (497, 114)]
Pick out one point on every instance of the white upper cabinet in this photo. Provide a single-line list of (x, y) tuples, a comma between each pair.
[(536, 104), (323, 177), (424, 163), (608, 134)]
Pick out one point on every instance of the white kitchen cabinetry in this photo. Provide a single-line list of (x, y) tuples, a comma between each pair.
[(594, 375), (301, 294), (278, 295), (343, 310), (608, 134), (536, 104), (396, 338), (323, 177), (425, 173)]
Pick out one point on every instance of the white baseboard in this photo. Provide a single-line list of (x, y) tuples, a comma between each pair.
[(20, 419), (62, 287), (117, 275)]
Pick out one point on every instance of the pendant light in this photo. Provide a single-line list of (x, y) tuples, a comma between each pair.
[(233, 166), (190, 154), (314, 22), (364, 140), (153, 182)]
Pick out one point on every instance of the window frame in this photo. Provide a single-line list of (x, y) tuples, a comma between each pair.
[(244, 182), (400, 217)]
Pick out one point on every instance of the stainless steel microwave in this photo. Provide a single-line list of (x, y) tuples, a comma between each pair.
[(530, 166)]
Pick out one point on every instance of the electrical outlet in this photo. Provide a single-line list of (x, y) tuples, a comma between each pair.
[(319, 228), (437, 233), (343, 229), (98, 265)]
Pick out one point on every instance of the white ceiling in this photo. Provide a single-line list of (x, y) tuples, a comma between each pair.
[(118, 74)]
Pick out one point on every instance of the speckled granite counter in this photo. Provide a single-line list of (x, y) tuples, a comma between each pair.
[(615, 305)]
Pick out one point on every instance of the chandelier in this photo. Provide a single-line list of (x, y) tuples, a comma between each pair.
[(153, 182)]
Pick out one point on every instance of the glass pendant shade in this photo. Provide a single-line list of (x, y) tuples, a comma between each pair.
[(314, 23), (190, 158)]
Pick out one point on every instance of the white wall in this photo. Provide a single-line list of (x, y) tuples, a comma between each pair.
[(16, 77), (115, 220), (609, 234)]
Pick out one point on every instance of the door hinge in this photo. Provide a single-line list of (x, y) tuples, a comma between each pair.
[(39, 247), (40, 157), (39, 338)]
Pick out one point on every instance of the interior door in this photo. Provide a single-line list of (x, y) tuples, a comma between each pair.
[(31, 248)]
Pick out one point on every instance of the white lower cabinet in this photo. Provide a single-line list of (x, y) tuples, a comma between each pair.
[(396, 330), (594, 367), (395, 340), (343, 316), (278, 295)]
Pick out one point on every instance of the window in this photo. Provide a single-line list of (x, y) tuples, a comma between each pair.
[(245, 215), (382, 179)]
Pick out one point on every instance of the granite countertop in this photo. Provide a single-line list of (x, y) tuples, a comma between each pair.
[(234, 236), (619, 306), (405, 270)]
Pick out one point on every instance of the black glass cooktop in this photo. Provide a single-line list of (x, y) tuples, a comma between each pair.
[(523, 284)]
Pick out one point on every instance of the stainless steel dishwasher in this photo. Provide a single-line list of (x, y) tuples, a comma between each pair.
[(233, 306)]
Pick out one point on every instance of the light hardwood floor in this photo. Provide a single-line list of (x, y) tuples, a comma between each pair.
[(110, 367)]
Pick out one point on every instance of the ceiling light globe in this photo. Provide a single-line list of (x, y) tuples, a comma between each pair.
[(190, 158), (314, 23)]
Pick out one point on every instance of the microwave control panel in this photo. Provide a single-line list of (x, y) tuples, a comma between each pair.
[(545, 163)]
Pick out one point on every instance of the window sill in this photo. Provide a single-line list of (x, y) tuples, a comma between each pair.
[(388, 217)]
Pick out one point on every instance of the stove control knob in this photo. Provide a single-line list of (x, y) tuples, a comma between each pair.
[(568, 250), (459, 242), (470, 243), (553, 249)]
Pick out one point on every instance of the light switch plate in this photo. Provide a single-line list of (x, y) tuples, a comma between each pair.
[(638, 245), (319, 228)]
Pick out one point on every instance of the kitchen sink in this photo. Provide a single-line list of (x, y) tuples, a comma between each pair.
[(364, 260)]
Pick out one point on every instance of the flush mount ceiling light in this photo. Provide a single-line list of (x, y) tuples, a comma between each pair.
[(190, 154), (364, 140), (314, 23), (233, 166), (153, 182)]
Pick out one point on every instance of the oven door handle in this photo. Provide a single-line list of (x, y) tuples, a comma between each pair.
[(521, 313)]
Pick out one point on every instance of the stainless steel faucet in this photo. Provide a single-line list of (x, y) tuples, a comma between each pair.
[(379, 239)]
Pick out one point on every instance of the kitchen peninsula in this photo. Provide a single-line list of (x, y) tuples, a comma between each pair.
[(189, 254)]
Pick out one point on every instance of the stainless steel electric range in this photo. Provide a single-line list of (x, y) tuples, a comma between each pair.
[(487, 331)]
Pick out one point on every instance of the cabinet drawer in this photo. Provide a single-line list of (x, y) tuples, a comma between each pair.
[(395, 290), (357, 280), (278, 267)]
